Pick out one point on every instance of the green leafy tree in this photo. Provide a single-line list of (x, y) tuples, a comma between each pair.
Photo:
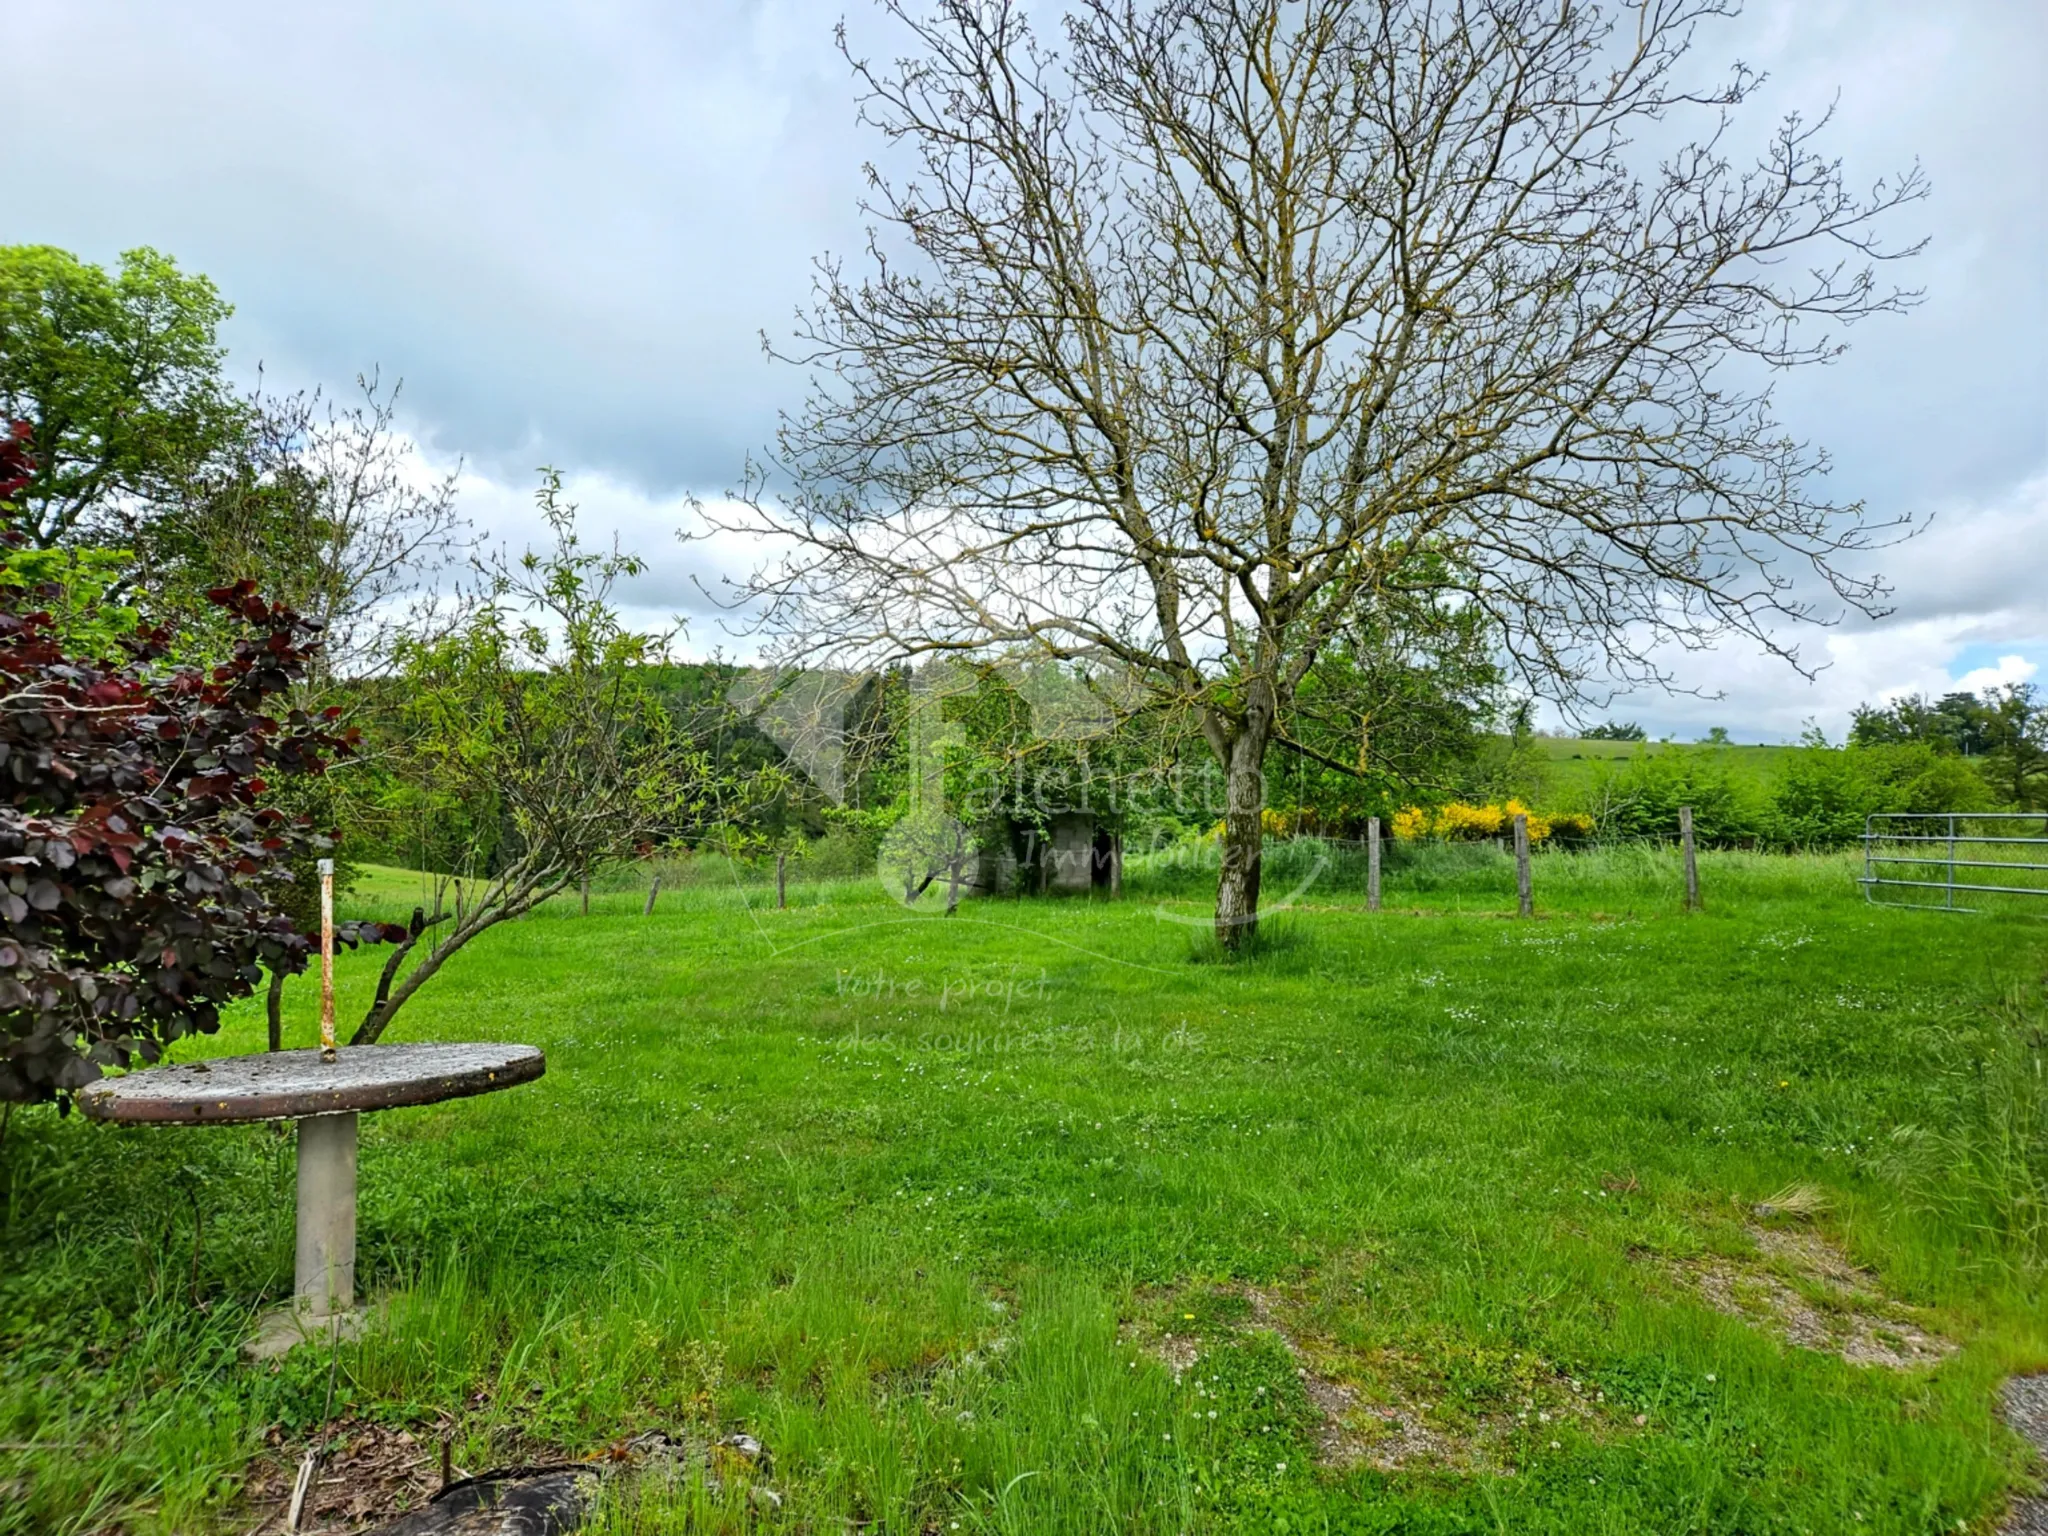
[(80, 590), (119, 376), (2004, 729), (537, 718), (1956, 722), (971, 765), (1509, 765), (1396, 706), (1821, 795), (2016, 736), (1916, 777)]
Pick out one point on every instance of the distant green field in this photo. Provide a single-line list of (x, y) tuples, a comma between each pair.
[(1561, 749), (1043, 1219), (1573, 764)]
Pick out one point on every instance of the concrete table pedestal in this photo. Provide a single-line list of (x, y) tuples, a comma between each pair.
[(326, 1267), (324, 1095)]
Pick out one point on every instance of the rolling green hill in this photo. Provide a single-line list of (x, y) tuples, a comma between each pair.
[(1572, 762)]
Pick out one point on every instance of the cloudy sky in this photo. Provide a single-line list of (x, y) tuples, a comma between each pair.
[(565, 228)]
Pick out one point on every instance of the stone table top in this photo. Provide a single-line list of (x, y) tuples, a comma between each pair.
[(290, 1085)]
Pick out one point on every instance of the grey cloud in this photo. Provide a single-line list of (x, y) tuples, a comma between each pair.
[(1978, 560), (565, 227), (1951, 401)]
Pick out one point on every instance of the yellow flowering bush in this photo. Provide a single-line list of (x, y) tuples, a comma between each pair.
[(1285, 821), (1457, 822), (1274, 823), (1460, 822)]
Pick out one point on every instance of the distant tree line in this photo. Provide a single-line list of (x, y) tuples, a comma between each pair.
[(2004, 731)]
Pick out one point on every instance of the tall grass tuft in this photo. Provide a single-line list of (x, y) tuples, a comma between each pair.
[(1984, 1163), (1275, 937)]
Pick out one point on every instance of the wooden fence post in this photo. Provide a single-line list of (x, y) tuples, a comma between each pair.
[(653, 891), (1372, 865), (1116, 865), (781, 878), (1524, 893), (1692, 865), (586, 895)]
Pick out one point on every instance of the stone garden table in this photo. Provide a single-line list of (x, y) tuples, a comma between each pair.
[(322, 1089)]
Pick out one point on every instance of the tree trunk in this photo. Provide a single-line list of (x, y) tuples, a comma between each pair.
[(955, 866), (1237, 886)]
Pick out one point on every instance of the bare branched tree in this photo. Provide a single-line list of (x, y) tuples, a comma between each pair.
[(1182, 345), (326, 504)]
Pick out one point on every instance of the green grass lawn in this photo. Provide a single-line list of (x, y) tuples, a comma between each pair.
[(1044, 1218)]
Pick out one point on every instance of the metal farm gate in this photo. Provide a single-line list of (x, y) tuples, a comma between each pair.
[(1939, 860)]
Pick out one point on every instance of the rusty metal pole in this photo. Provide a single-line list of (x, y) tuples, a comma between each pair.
[(327, 959)]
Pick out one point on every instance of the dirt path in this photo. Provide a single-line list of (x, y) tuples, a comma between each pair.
[(2026, 1410)]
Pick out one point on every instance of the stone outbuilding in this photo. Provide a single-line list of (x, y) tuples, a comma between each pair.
[(1079, 853)]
